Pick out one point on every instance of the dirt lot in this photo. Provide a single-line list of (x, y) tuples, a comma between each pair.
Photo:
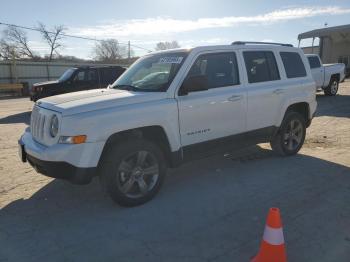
[(209, 210)]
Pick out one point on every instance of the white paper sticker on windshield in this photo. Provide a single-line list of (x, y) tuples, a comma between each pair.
[(171, 60)]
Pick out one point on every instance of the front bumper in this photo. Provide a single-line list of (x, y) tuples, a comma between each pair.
[(62, 170), (51, 161)]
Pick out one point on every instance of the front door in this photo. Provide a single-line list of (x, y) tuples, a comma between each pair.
[(215, 114), (92, 79), (78, 83), (84, 79)]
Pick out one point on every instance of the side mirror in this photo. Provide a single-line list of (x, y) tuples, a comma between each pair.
[(194, 84)]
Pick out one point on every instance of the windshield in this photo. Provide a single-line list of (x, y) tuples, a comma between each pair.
[(152, 73), (67, 74)]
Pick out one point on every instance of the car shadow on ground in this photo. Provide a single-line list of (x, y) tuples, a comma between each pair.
[(212, 208), (17, 118), (338, 106)]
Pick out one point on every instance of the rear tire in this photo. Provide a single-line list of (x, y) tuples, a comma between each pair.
[(132, 172), (290, 136), (332, 88)]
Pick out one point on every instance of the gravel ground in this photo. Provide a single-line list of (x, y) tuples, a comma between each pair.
[(209, 210)]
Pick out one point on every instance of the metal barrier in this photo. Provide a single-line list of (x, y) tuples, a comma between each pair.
[(12, 72)]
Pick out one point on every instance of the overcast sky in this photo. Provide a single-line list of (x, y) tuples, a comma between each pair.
[(191, 23)]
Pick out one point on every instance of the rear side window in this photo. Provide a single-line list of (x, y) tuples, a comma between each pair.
[(293, 64), (261, 66), (220, 69), (314, 62)]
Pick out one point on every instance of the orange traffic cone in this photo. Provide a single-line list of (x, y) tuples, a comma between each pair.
[(272, 247)]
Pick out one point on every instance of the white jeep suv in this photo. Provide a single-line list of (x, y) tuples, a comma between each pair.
[(170, 107)]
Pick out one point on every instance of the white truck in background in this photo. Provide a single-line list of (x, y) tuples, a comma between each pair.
[(326, 76)]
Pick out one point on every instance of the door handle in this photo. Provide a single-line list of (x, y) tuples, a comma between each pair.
[(278, 91), (234, 98)]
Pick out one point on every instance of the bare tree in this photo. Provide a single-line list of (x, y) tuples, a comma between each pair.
[(18, 38), (167, 45), (52, 38), (109, 51), (8, 51)]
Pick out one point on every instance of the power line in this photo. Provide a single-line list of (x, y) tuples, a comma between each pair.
[(72, 36)]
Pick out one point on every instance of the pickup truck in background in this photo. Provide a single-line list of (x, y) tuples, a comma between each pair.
[(326, 76), (77, 79)]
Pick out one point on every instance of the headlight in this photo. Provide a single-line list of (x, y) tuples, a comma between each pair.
[(54, 126)]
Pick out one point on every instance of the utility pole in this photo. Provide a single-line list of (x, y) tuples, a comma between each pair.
[(14, 76)]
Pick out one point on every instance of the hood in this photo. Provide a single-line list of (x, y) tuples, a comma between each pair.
[(96, 99), (47, 83)]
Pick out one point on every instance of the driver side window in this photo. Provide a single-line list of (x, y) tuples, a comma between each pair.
[(92, 75), (220, 69), (80, 76)]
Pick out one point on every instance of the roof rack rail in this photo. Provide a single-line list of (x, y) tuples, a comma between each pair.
[(259, 43)]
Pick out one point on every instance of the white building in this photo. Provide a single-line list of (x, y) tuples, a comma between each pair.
[(334, 44)]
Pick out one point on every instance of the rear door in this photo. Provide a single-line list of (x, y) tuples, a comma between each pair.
[(317, 70), (264, 89)]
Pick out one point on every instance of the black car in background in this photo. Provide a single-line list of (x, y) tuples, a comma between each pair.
[(77, 79)]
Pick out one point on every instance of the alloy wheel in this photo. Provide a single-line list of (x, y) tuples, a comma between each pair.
[(293, 135), (334, 87), (137, 174)]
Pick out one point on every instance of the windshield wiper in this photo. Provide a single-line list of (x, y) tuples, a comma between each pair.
[(126, 87)]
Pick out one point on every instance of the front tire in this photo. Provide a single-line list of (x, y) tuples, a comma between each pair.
[(133, 171), (291, 135), (332, 88)]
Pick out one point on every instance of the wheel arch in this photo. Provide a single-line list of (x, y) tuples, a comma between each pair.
[(154, 133), (302, 108), (336, 76)]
